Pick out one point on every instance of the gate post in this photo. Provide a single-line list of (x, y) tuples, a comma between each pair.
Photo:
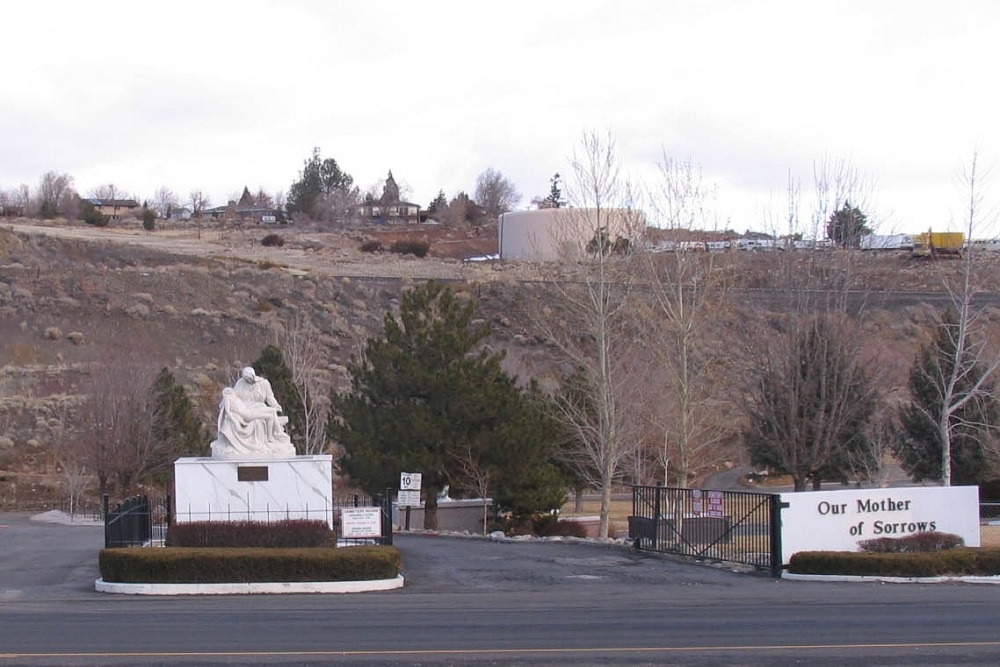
[(775, 509), (657, 518)]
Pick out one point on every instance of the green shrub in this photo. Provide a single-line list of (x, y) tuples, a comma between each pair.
[(92, 216), (180, 565), (293, 533), (148, 219), (410, 247), (915, 543), (273, 241)]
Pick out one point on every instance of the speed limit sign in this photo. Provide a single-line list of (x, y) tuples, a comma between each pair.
[(409, 481)]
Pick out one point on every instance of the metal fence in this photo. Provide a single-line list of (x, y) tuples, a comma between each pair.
[(141, 521), (731, 526), (989, 511)]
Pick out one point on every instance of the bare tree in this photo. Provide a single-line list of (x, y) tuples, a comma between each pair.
[(494, 193), (966, 377), (812, 390), (685, 373), (117, 423), (54, 193), (812, 399), (305, 357), (164, 201), (70, 460), (199, 202), (476, 476), (589, 323)]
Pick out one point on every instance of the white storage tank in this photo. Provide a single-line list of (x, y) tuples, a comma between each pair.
[(562, 234)]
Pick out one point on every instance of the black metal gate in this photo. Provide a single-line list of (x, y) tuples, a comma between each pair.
[(136, 521), (731, 526)]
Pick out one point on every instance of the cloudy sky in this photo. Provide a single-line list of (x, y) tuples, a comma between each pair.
[(215, 95)]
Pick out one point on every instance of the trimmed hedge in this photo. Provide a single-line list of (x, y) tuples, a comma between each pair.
[(948, 563), (182, 565), (249, 534)]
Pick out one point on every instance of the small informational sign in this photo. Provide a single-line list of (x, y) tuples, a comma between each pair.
[(696, 502), (716, 504), (359, 522), (408, 498), (409, 481)]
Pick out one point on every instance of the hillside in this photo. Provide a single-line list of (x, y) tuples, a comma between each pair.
[(204, 303)]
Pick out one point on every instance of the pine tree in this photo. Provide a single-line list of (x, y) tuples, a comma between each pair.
[(919, 448), (176, 428), (427, 397), (847, 225)]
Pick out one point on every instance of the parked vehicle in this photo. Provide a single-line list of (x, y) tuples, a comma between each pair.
[(936, 244)]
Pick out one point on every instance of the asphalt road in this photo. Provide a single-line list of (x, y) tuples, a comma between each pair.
[(477, 602)]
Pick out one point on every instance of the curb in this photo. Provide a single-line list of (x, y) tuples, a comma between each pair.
[(251, 588), (891, 580)]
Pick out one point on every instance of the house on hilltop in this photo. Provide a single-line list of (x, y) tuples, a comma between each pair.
[(114, 209), (247, 209)]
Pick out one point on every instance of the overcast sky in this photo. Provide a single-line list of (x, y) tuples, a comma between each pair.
[(216, 95)]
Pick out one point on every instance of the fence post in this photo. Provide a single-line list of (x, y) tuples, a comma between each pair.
[(776, 558), (387, 516)]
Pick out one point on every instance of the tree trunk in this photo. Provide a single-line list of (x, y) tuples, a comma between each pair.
[(431, 509), (578, 499)]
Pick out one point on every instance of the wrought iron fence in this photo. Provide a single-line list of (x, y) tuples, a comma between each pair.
[(141, 521), (734, 526)]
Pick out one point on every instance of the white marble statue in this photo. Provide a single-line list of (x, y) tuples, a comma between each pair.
[(250, 426)]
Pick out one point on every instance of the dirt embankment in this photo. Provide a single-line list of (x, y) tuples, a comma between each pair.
[(205, 302)]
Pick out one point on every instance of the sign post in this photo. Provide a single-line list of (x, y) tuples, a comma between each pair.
[(409, 493)]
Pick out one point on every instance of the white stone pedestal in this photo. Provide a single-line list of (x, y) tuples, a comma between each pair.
[(265, 490)]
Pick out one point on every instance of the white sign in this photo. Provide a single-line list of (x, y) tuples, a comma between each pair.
[(408, 498), (358, 522), (409, 481), (839, 520)]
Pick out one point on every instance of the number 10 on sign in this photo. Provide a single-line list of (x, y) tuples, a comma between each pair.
[(409, 481)]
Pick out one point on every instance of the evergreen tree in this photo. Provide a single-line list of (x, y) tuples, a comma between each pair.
[(919, 448), (390, 191), (439, 204), (318, 178), (427, 397), (271, 366), (847, 225), (554, 200), (176, 428)]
